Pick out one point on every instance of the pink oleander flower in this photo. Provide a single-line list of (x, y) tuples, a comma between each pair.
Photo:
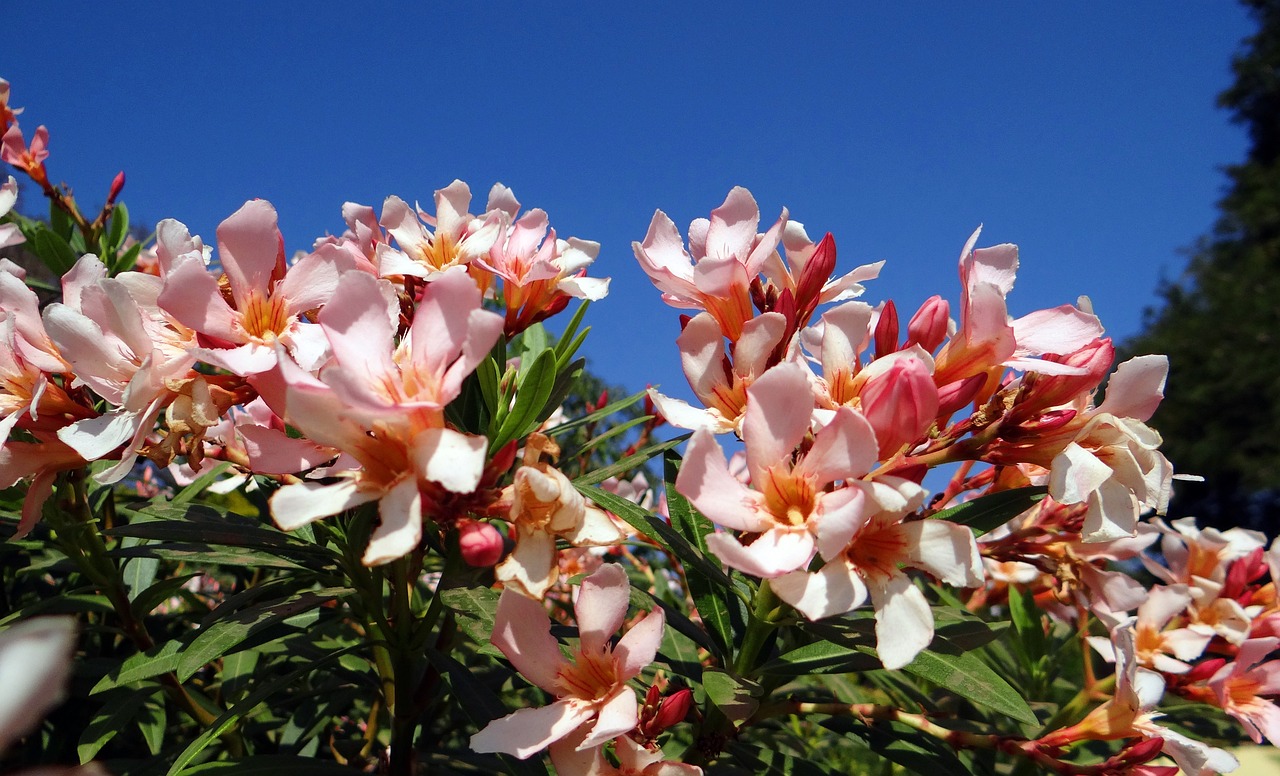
[(1113, 463), (39, 462), (801, 283), (124, 347), (9, 233), (1240, 685), (383, 405), (720, 384), (791, 513), (870, 563), (590, 687), (458, 237), (7, 114), (265, 298), (724, 256), (539, 272), (28, 158), (1156, 645), (544, 506), (1131, 713), (899, 399), (988, 338)]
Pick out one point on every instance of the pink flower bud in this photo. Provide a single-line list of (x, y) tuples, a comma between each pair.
[(117, 184), (1055, 390), (900, 402), (887, 330), (953, 396), (928, 327), (673, 709), (480, 543)]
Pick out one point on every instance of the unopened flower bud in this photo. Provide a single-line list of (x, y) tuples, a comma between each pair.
[(117, 184), (480, 543), (953, 396), (900, 402), (672, 710), (887, 330), (928, 327)]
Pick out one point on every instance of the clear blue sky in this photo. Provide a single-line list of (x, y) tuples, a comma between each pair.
[(1084, 132)]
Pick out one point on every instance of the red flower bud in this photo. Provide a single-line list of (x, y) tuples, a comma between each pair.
[(673, 709), (887, 329), (480, 543)]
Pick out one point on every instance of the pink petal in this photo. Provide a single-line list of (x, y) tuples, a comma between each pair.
[(522, 630), (272, 451), (35, 664), (844, 449), (773, 554), (760, 337), (311, 282), (618, 715), (293, 506), (733, 226), (638, 648), (531, 566), (1061, 330), (250, 248), (1136, 388), (904, 622), (192, 297), (360, 321), (834, 589), (602, 606), (705, 480), (779, 408), (945, 550), (451, 458), (529, 731), (400, 529)]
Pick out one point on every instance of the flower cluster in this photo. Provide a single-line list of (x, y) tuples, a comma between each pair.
[(391, 399)]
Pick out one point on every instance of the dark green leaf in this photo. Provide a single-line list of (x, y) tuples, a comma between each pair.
[(694, 527), (732, 696), (160, 659), (119, 228), (260, 694), (966, 675), (268, 765), (118, 708), (988, 512), (821, 657), (531, 398), (232, 631), (599, 414), (633, 461), (54, 251)]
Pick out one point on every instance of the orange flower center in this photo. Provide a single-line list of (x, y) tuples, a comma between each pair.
[(264, 317), (591, 677)]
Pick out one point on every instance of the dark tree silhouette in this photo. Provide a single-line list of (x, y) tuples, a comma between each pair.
[(1220, 321)]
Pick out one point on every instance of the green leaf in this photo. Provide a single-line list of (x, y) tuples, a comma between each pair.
[(227, 634), (633, 461), (269, 764), (476, 608), (964, 674), (118, 708), (568, 343), (613, 431), (599, 414), (139, 573), (531, 398), (488, 376), (732, 696), (151, 720), (59, 222), (119, 227), (821, 657), (160, 659), (670, 539), (128, 259), (54, 251), (988, 512), (694, 527), (260, 694)]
